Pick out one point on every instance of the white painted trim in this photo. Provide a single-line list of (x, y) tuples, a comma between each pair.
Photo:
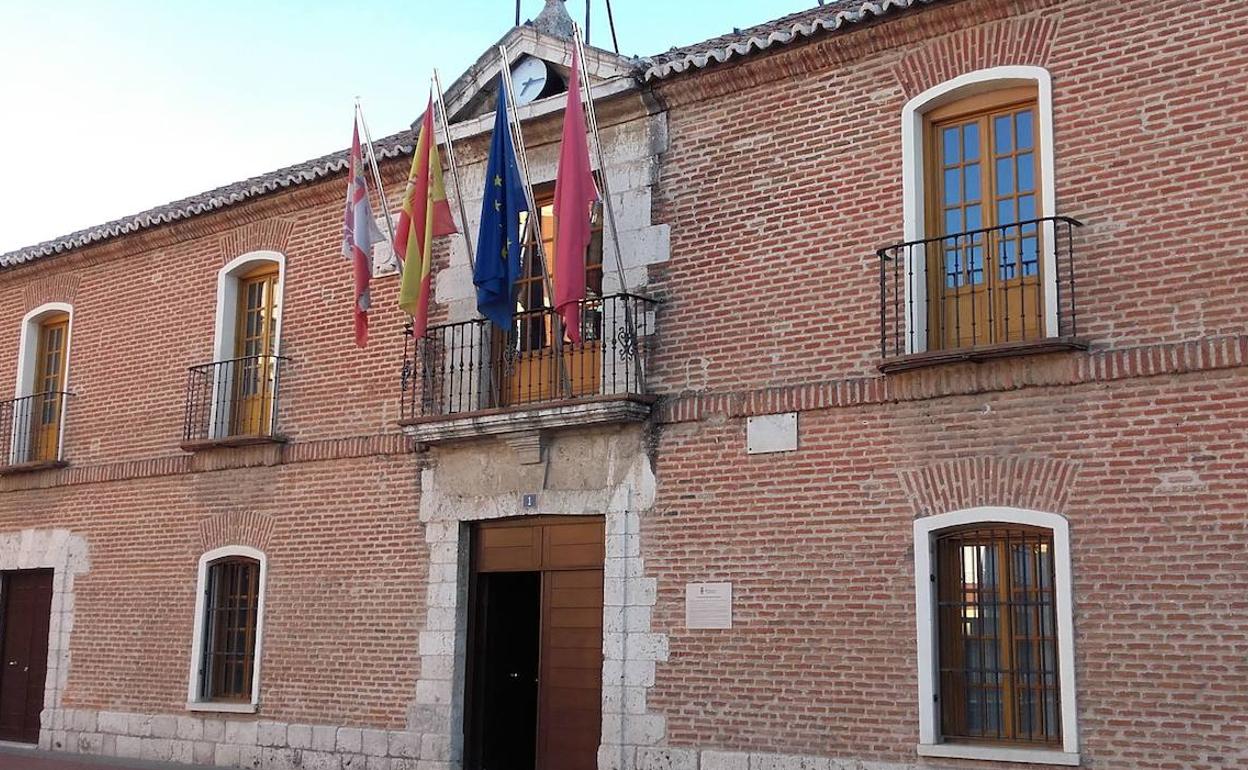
[(194, 699), (27, 345), (227, 320), (925, 530), (912, 179), (994, 754)]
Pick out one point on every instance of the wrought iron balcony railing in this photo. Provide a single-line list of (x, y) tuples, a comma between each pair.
[(989, 287), (30, 429), (473, 366), (233, 401)]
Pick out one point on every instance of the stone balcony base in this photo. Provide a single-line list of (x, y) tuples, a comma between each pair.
[(528, 418)]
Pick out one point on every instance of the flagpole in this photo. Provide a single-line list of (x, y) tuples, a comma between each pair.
[(630, 323), (592, 117), (531, 221), (450, 156), (377, 174)]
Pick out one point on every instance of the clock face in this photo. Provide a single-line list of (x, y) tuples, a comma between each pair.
[(528, 78)]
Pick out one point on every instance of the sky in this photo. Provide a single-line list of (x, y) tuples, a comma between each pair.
[(111, 107)]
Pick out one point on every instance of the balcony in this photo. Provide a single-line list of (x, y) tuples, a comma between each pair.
[(232, 403), (470, 378), (30, 432), (981, 294)]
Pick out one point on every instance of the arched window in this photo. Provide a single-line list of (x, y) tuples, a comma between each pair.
[(235, 395), (225, 666), (35, 418), (978, 187), (995, 636)]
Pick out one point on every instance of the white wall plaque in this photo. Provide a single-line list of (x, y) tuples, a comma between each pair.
[(708, 605), (771, 433)]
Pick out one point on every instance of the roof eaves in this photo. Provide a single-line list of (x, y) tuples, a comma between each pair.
[(756, 39)]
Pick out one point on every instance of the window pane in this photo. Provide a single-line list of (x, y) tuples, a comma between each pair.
[(1023, 122), (970, 141), (1005, 176), (974, 219), (951, 143), (973, 191), (953, 221), (953, 186), (1005, 212), (1026, 172), (1002, 134)]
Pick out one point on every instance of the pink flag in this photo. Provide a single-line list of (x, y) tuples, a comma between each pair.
[(358, 235), (575, 193)]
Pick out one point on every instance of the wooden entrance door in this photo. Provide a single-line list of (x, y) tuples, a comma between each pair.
[(984, 278), (47, 404), (26, 597), (562, 558), (254, 368)]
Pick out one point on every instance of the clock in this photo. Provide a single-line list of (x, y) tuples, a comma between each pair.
[(529, 76)]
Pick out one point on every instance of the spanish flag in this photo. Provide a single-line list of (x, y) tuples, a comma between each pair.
[(426, 214)]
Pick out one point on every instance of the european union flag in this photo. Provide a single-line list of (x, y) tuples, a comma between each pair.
[(498, 243)]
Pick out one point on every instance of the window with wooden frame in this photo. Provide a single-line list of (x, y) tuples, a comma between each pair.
[(48, 401), (997, 635), (535, 373), (982, 185), (531, 295), (231, 616), (255, 368)]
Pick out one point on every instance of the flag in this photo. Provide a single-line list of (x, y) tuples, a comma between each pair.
[(426, 214), (575, 193), (359, 233), (499, 248)]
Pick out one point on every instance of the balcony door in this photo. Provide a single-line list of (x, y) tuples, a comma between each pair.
[(47, 403), (254, 370), (534, 372), (985, 275)]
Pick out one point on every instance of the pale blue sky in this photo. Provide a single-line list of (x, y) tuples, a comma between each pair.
[(114, 106)]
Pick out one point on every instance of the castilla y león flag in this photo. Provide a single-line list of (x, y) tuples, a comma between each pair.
[(575, 193), (359, 233), (426, 214)]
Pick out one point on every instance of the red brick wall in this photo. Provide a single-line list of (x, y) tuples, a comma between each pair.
[(336, 515), (783, 177)]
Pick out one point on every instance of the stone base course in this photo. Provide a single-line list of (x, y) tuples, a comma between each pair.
[(224, 741)]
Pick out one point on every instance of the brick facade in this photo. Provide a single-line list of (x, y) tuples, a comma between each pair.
[(756, 193)]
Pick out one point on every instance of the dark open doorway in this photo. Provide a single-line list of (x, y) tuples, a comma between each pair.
[(502, 728)]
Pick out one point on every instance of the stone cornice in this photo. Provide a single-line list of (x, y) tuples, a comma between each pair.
[(321, 450)]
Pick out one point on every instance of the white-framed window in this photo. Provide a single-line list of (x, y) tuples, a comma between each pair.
[(977, 159), (995, 636), (229, 625), (243, 374), (35, 419)]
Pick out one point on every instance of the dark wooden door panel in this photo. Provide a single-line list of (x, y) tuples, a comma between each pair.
[(570, 715), (24, 619)]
